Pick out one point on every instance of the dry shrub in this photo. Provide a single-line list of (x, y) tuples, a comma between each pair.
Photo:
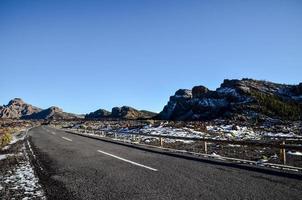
[(5, 137)]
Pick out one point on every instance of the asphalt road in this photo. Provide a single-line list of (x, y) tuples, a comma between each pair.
[(76, 167)]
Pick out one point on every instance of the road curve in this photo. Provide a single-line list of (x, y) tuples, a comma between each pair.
[(76, 167)]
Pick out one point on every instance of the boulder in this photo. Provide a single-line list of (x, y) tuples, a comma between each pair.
[(184, 93), (199, 91)]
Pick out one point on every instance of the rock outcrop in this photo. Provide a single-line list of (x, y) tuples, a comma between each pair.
[(247, 97), (17, 108), (199, 91), (124, 112), (50, 113), (98, 114)]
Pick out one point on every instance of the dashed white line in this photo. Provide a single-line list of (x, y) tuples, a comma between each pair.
[(65, 138), (128, 161), (53, 133)]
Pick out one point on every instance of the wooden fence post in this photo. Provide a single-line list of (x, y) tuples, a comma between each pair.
[(161, 141), (283, 154), (205, 147)]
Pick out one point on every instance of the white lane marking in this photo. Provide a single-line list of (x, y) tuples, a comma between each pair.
[(65, 138), (46, 130), (128, 161), (53, 133)]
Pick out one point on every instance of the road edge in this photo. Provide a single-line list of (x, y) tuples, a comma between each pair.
[(196, 157)]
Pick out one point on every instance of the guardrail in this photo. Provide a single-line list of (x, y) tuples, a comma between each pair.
[(293, 138), (280, 144)]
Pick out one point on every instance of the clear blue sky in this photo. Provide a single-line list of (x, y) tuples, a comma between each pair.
[(85, 55)]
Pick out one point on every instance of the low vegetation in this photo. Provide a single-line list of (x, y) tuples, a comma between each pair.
[(5, 136), (274, 106)]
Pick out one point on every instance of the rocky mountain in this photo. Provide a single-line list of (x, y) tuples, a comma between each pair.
[(17, 108), (98, 114), (124, 112), (235, 99), (245, 99), (50, 113)]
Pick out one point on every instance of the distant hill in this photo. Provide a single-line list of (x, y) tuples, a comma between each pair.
[(18, 109), (245, 99), (50, 113), (98, 114), (235, 99), (124, 112)]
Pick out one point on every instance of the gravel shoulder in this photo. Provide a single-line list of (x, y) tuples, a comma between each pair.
[(18, 178)]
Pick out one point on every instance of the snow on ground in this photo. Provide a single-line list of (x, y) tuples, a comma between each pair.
[(220, 132), (4, 156), (234, 132), (20, 181), (22, 178), (178, 132), (270, 134), (296, 153), (227, 90), (166, 131)]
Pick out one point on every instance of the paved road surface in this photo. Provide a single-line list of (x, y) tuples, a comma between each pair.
[(77, 167)]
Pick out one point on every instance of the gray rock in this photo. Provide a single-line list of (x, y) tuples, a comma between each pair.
[(232, 98)]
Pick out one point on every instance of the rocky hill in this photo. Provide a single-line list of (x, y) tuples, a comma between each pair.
[(98, 114), (124, 112), (17, 108), (50, 113), (235, 99), (245, 99)]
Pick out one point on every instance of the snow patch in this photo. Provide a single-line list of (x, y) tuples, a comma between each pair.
[(30, 149), (231, 131), (170, 131), (4, 156), (162, 130), (227, 90), (208, 102), (270, 134), (23, 178), (296, 153)]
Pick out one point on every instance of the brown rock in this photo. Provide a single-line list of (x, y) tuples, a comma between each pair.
[(199, 91)]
